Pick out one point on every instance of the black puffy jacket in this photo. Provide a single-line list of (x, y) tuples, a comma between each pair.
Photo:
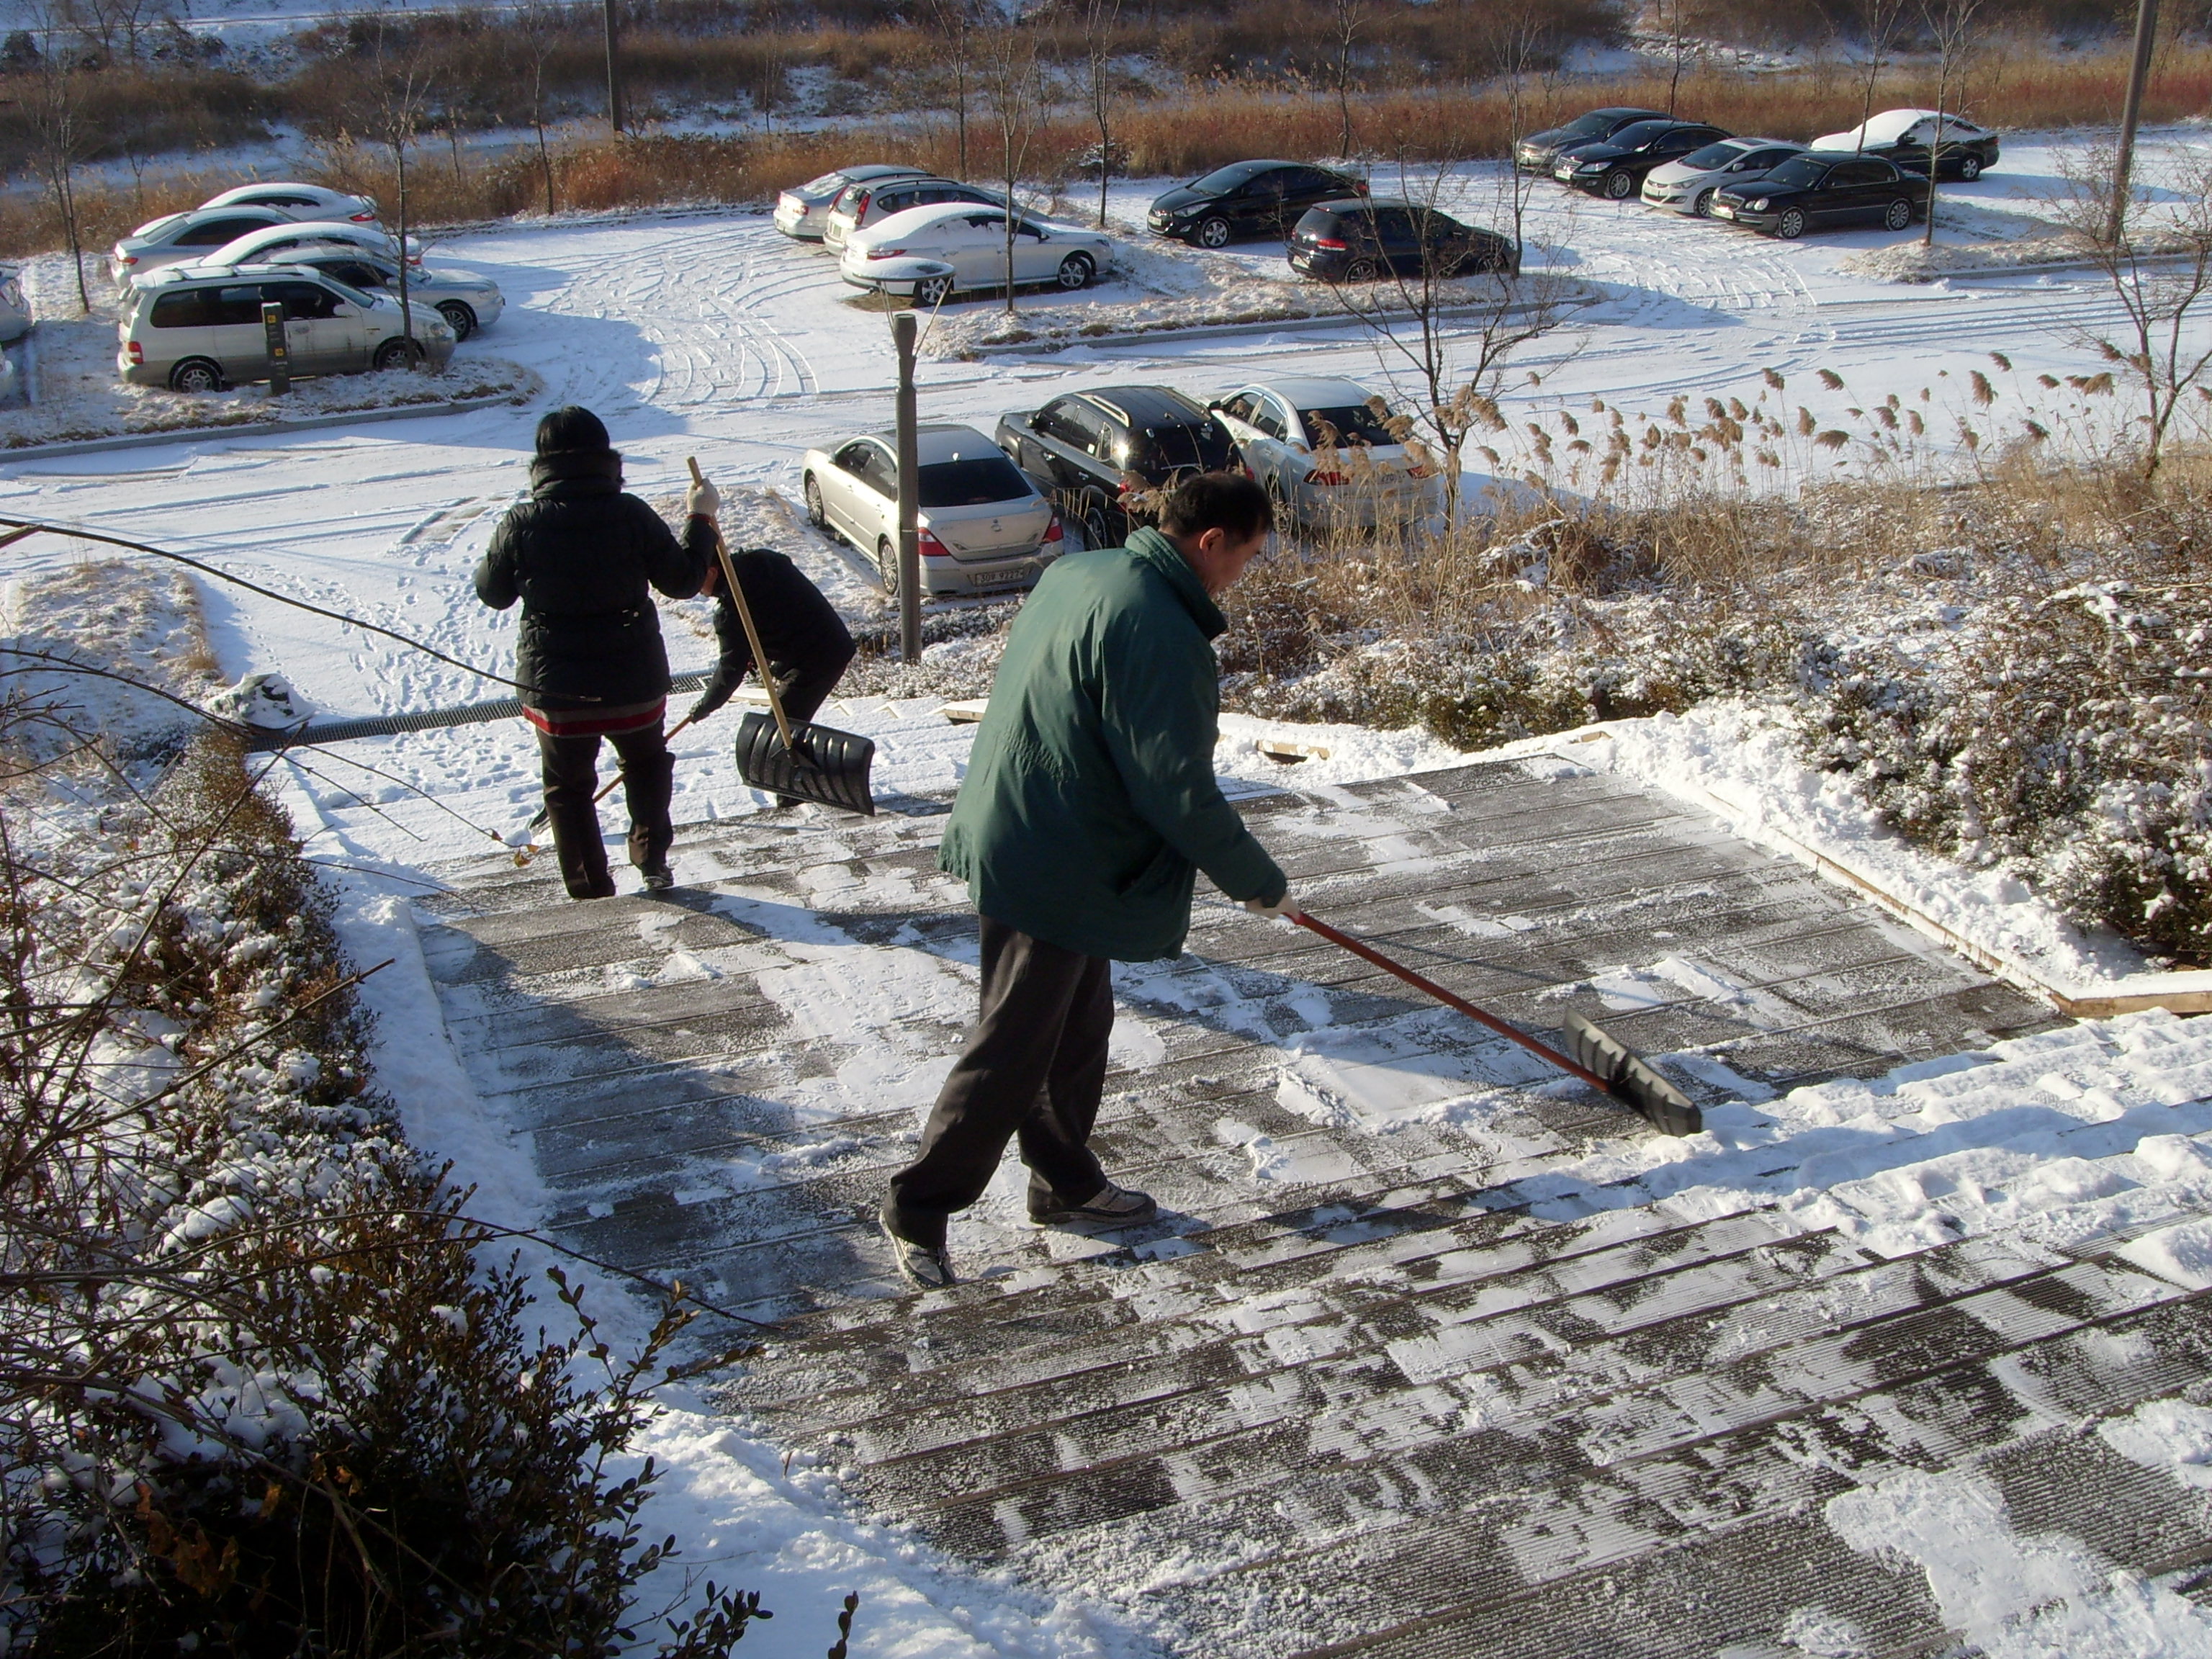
[(583, 557), (799, 628)]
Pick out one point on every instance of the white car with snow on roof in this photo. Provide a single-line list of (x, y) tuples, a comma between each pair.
[(301, 201), (1330, 453), (968, 239)]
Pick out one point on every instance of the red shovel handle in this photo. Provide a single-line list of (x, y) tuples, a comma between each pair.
[(1369, 953)]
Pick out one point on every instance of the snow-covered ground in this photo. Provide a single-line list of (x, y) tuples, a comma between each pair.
[(711, 335)]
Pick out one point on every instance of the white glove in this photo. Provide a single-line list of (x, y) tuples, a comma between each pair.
[(704, 502), (1281, 908)]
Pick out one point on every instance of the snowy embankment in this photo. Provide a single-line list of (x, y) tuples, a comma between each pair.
[(79, 397)]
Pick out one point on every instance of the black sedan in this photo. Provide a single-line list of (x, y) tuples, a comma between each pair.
[(1813, 191), (1089, 452), (1963, 150), (1245, 198), (1358, 241), (1538, 150), (1615, 167)]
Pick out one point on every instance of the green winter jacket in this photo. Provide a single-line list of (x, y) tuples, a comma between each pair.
[(1090, 797)]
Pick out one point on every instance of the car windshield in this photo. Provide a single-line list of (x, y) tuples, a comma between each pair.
[(156, 226), (1587, 126), (1715, 155), (1171, 448), (1352, 423), (1225, 178), (976, 482), (1636, 137), (1798, 172), (824, 186)]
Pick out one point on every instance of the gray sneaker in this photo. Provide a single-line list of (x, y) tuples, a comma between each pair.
[(924, 1268), (658, 878), (1115, 1206)]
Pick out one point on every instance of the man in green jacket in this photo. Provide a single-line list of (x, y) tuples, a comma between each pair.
[(1088, 805)]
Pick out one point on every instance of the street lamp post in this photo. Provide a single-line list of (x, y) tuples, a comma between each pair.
[(2130, 112)]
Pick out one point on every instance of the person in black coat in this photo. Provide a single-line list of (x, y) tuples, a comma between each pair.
[(583, 557), (807, 644)]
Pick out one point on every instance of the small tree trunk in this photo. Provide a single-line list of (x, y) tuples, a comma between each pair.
[(406, 306)]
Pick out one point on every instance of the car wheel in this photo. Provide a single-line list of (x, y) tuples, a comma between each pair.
[(1097, 527), (462, 319), (1076, 271), (1791, 225), (1703, 206), (1618, 187), (1214, 232), (815, 515), (195, 375), (1897, 215), (395, 354), (1360, 271), (1969, 168), (932, 291), (887, 566)]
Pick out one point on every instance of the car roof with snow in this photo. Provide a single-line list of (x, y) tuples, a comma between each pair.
[(941, 441), (1889, 127), (1313, 391), (906, 220)]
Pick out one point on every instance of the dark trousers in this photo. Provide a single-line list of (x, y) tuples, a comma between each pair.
[(570, 767), (805, 687), (1034, 1068)]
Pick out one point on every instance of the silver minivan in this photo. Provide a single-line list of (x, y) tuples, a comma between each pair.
[(202, 330)]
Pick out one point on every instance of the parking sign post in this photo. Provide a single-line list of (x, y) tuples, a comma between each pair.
[(910, 544), (280, 354)]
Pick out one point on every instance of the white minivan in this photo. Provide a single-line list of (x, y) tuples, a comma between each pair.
[(202, 330)]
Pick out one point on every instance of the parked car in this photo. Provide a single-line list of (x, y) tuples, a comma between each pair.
[(1905, 136), (1538, 150), (1615, 167), (467, 301), (175, 237), (14, 308), (983, 525), (1325, 452), (1815, 191), (1090, 452), (1358, 241), (275, 244), (301, 201), (934, 252), (201, 330), (861, 205), (802, 211), (1687, 185), (1245, 198)]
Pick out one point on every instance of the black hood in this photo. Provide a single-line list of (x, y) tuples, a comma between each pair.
[(1182, 198), (576, 473), (1548, 135)]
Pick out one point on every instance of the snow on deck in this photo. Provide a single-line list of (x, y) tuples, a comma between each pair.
[(1430, 1352)]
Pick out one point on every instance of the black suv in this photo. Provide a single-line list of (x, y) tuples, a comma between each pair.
[(1358, 241), (1089, 450), (1245, 198), (1615, 167), (1538, 150), (1814, 191)]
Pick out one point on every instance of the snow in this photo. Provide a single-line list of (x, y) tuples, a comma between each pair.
[(708, 335)]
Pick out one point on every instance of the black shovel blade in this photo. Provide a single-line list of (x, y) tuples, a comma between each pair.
[(1629, 1077), (826, 767)]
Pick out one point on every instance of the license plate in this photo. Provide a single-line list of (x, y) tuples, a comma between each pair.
[(1723, 211)]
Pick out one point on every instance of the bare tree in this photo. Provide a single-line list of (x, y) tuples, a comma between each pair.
[(1950, 24), (538, 29), (1673, 19), (1881, 21), (1346, 19), (1014, 88), (1449, 333), (56, 97), (394, 94), (953, 22), (2160, 279), (1517, 39), (1101, 28)]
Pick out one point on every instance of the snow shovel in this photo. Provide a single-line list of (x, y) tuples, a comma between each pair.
[(804, 761), (1602, 1061)]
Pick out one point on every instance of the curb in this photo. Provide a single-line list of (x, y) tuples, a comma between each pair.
[(253, 428), (1049, 346), (2028, 268)]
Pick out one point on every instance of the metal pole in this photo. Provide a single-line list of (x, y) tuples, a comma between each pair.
[(909, 469), (2138, 73), (614, 68)]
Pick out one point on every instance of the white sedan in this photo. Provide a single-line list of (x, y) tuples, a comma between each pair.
[(902, 254), (301, 201), (1687, 185), (1325, 451), (273, 244), (983, 526)]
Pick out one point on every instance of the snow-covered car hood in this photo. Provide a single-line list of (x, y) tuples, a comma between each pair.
[(1886, 128)]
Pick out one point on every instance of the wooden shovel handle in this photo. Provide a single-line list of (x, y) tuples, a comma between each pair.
[(746, 615), (608, 788)]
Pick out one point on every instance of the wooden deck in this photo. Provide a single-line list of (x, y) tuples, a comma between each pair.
[(1372, 1384)]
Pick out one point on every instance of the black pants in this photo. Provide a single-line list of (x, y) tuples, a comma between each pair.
[(571, 770), (805, 687), (1034, 1068)]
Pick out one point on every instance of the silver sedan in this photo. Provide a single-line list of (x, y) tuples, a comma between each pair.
[(1330, 453), (1687, 185), (934, 252), (983, 526)]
